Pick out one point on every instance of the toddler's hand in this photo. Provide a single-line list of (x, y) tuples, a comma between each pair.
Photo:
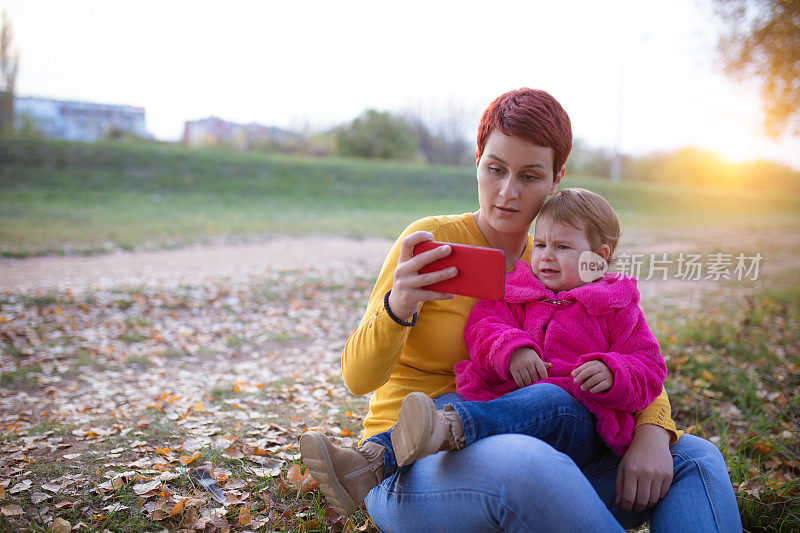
[(594, 375), (526, 367)]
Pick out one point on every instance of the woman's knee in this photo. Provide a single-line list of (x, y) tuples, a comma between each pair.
[(697, 458), (691, 448), (516, 464), (531, 482)]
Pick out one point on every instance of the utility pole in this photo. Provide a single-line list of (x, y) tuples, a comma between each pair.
[(9, 64)]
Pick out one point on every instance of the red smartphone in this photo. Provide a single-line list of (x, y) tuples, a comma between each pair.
[(481, 271)]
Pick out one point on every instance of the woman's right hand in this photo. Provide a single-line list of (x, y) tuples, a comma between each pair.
[(407, 291)]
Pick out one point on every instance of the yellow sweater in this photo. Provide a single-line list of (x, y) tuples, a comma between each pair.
[(394, 360)]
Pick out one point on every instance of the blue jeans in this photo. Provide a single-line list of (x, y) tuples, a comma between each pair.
[(502, 481)]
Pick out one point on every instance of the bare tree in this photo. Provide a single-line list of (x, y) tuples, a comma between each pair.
[(761, 41), (441, 132), (9, 65)]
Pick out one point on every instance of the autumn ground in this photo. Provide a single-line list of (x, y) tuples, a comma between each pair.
[(112, 392), (121, 373)]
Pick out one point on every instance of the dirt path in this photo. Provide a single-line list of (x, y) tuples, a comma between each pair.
[(196, 265), (188, 266)]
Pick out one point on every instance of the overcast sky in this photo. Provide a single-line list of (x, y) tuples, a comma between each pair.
[(648, 66)]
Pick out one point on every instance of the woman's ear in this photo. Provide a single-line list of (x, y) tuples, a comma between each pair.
[(557, 177), (604, 251), (477, 159)]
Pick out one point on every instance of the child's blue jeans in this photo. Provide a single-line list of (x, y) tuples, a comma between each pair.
[(550, 414)]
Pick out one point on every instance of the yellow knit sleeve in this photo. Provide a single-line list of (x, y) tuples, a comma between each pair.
[(373, 350), (659, 413)]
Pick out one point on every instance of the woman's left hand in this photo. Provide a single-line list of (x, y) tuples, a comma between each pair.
[(645, 472)]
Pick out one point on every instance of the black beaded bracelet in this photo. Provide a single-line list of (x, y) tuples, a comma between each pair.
[(391, 315)]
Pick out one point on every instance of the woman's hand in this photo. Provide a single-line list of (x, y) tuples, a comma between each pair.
[(407, 291), (645, 472), (594, 375), (526, 367)]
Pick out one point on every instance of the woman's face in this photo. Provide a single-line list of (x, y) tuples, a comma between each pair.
[(514, 180)]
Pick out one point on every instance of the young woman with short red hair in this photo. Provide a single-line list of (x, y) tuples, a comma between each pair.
[(503, 479)]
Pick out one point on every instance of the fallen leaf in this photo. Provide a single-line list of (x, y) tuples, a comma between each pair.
[(295, 475), (158, 515), (233, 453), (234, 483), (60, 525), (308, 483), (187, 459), (11, 510), (114, 507), (197, 522), (19, 487), (39, 497), (112, 484), (233, 498), (266, 472), (244, 516), (762, 447), (178, 508), (144, 488), (220, 523)]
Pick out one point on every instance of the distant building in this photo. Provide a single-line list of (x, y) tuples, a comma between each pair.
[(214, 131), (77, 121)]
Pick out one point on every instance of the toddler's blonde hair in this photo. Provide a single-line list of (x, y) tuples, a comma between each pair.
[(583, 208)]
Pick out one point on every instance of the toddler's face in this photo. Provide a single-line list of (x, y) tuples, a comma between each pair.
[(556, 250)]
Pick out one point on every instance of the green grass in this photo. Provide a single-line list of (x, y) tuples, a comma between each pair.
[(59, 197), (21, 377), (733, 378)]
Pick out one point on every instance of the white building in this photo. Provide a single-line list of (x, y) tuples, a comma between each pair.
[(77, 121), (214, 131)]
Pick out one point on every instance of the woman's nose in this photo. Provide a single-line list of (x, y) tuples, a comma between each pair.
[(508, 189)]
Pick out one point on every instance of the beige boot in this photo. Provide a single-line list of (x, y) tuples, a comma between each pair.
[(422, 430), (344, 475)]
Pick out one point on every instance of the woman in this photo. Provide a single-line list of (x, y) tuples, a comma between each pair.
[(505, 480)]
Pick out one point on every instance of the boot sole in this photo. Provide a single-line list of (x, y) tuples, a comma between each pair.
[(416, 418), (318, 461)]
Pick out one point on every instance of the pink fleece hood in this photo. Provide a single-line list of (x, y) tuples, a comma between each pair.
[(599, 297)]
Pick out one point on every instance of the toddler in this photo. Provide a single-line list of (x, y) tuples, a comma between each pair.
[(563, 320)]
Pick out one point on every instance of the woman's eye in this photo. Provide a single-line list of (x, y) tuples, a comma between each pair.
[(538, 245), (563, 247), (530, 177), (495, 170)]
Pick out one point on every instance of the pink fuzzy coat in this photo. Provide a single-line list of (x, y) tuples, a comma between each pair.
[(598, 320)]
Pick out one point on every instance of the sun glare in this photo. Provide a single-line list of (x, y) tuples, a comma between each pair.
[(735, 147)]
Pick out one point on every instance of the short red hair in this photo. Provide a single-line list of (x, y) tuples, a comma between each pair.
[(532, 115)]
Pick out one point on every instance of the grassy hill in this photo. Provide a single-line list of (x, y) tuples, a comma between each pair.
[(58, 197)]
